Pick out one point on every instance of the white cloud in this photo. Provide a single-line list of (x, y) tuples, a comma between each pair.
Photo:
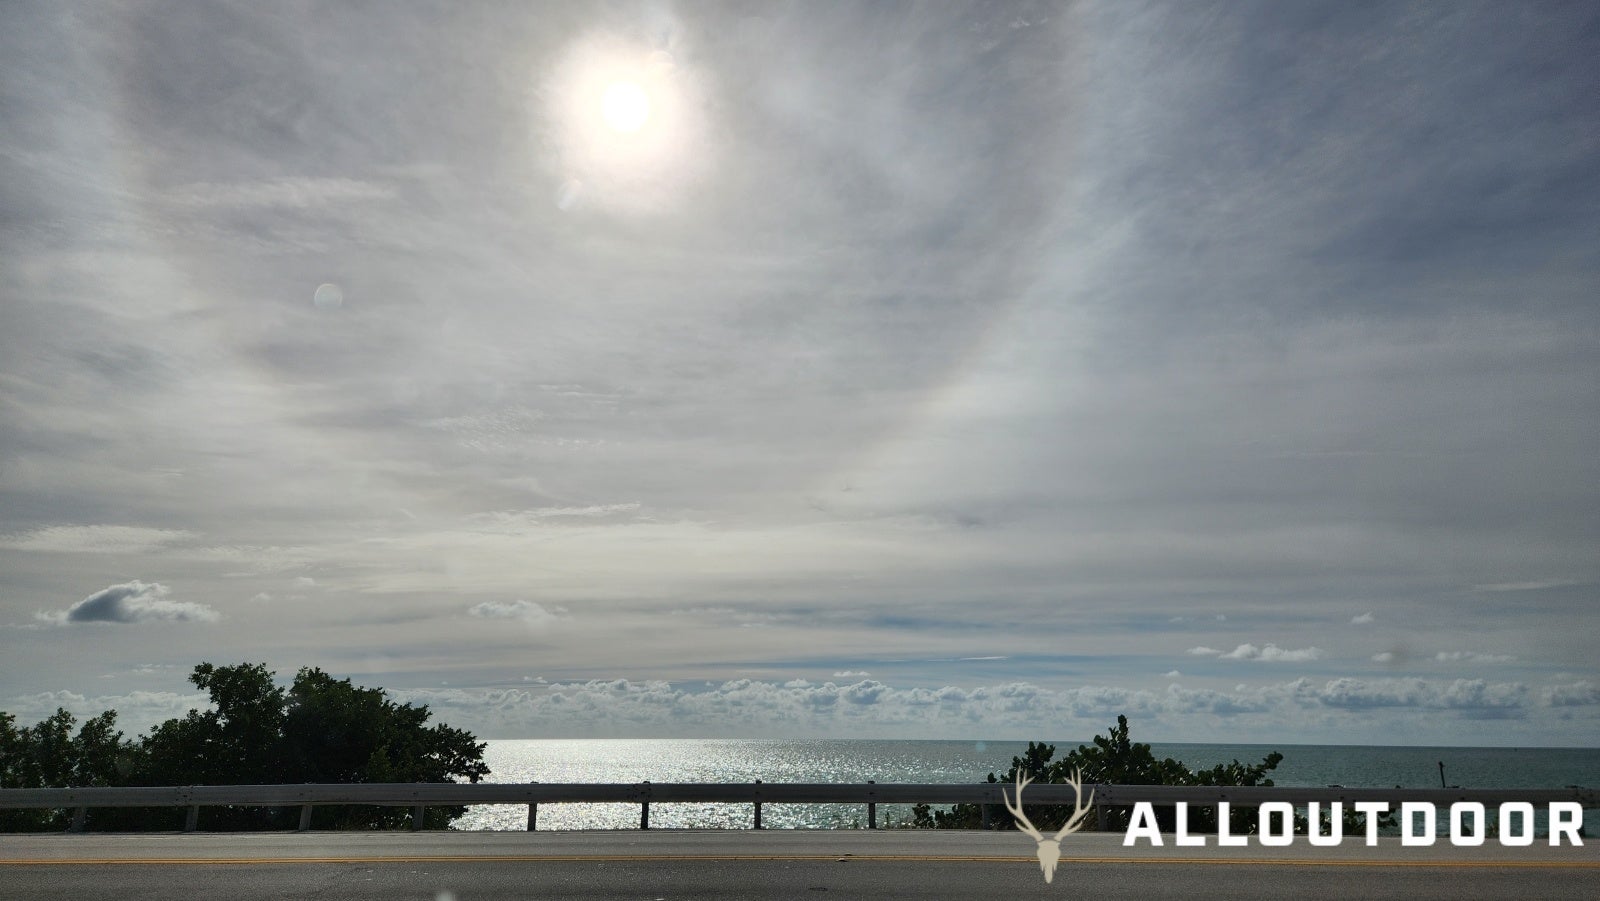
[(846, 674), (99, 539), (132, 602), (1537, 585), (801, 707), (1271, 653), (1472, 657), (1384, 657), (136, 710), (529, 612), (516, 521), (1363, 619)]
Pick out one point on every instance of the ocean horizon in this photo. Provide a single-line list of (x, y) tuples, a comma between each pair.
[(951, 761)]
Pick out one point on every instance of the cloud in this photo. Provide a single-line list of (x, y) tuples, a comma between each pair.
[(1460, 694), (99, 539), (132, 602), (846, 674), (1472, 657), (136, 710), (1271, 653), (1181, 373), (1363, 619), (295, 193), (804, 708), (1536, 585), (519, 520), (1572, 694), (1384, 657), (529, 612)]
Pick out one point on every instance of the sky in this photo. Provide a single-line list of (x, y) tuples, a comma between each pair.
[(804, 370)]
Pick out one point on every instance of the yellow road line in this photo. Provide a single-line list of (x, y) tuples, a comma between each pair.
[(656, 858)]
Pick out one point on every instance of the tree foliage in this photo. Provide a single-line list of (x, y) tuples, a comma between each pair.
[(49, 755), (319, 729), (1112, 759)]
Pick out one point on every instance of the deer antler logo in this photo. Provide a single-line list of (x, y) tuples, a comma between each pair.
[(1050, 848)]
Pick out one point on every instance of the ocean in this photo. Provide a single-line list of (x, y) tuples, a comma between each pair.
[(858, 760)]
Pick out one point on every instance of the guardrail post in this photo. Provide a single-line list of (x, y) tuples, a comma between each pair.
[(644, 808), (986, 823), (758, 803), (416, 818), (305, 817), (79, 814), (191, 819), (872, 808), (1099, 818), (533, 812)]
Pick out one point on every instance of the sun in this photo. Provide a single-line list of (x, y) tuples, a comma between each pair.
[(622, 125), (625, 107)]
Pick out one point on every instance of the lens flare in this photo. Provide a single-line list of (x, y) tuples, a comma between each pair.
[(328, 296)]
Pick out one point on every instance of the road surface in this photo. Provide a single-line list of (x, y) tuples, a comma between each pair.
[(832, 865)]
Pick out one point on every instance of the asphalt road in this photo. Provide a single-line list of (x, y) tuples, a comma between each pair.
[(746, 865)]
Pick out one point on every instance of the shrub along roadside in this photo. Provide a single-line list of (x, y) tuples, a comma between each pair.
[(1112, 759), (318, 729)]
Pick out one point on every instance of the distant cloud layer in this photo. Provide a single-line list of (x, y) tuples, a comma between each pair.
[(1017, 709), (1271, 653), (133, 602), (96, 539), (1427, 709)]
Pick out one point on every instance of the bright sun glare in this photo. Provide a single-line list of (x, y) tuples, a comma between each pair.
[(625, 106), (622, 126)]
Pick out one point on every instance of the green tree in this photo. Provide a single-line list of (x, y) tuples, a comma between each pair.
[(319, 729), (1112, 759), (49, 755), (336, 731), (237, 742)]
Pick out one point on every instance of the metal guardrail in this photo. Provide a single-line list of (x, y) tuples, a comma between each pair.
[(419, 796)]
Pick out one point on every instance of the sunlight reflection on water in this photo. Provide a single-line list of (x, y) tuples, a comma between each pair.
[(853, 760), (723, 760)]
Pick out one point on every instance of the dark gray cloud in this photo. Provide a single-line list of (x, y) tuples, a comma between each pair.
[(134, 602)]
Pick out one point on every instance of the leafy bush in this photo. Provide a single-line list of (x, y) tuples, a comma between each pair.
[(320, 729), (48, 754), (1112, 759)]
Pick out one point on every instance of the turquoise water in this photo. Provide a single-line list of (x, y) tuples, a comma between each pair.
[(847, 760)]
